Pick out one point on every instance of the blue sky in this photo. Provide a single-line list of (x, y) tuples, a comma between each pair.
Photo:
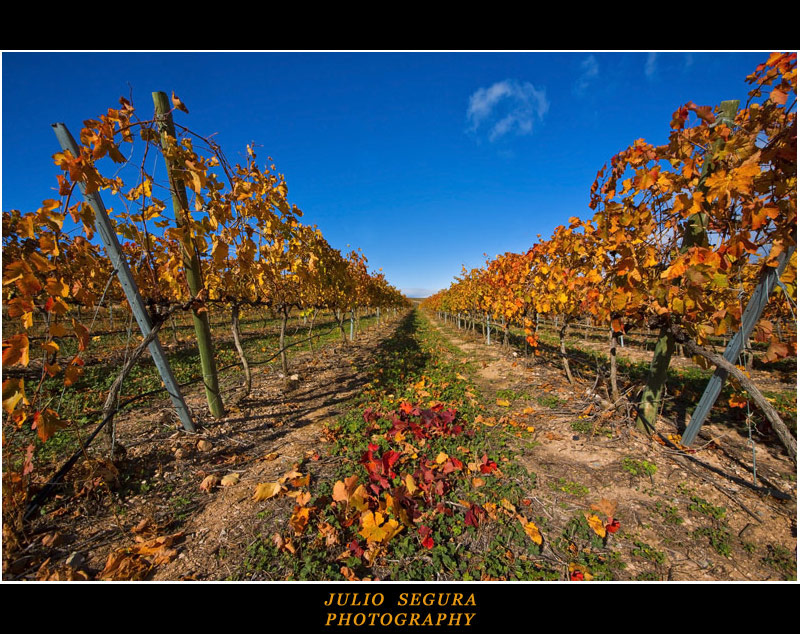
[(425, 161)]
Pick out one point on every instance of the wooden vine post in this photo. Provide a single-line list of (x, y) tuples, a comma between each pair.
[(191, 259), (694, 235)]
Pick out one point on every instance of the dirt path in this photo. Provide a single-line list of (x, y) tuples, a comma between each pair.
[(156, 487), (684, 516), (681, 516)]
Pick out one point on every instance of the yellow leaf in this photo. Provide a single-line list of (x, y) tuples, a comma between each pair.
[(13, 392), (370, 527), (410, 485), (359, 499), (595, 523), (375, 530), (503, 402), (266, 490), (442, 457), (300, 481), (508, 506), (290, 475), (230, 479), (177, 103), (51, 347), (531, 530)]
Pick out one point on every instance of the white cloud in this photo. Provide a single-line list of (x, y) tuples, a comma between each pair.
[(650, 64), (589, 70), (506, 107), (417, 292)]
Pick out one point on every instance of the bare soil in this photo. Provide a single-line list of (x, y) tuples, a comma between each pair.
[(578, 451), (152, 497), (153, 492)]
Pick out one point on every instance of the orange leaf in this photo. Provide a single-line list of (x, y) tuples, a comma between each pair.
[(299, 519), (46, 424), (15, 350), (737, 401), (778, 96)]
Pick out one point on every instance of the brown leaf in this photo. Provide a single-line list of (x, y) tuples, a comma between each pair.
[(209, 482), (124, 566), (179, 104), (606, 507)]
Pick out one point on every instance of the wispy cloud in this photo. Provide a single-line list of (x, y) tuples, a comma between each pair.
[(650, 65), (507, 107), (589, 70)]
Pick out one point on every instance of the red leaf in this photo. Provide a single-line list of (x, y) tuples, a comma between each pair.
[(425, 533)]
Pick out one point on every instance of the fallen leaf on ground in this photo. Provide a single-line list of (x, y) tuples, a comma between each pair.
[(230, 479), (266, 490), (606, 507), (595, 523), (209, 482), (531, 530)]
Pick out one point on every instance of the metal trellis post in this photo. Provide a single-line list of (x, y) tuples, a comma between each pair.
[(749, 318), (118, 261)]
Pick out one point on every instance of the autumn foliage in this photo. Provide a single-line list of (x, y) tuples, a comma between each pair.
[(680, 232), (253, 250)]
